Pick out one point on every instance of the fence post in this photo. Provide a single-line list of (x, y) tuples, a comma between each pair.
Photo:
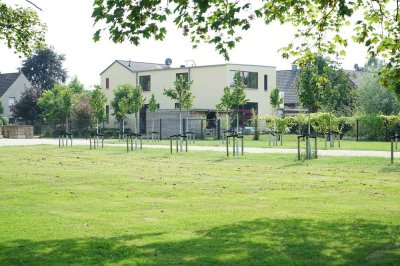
[(219, 129), (201, 128), (357, 129), (160, 136), (391, 150)]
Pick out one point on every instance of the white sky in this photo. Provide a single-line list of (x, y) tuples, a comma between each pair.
[(70, 31)]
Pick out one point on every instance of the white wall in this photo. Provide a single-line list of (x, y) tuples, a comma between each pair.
[(15, 90)]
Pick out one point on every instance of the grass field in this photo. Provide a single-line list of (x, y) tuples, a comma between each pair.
[(76, 206)]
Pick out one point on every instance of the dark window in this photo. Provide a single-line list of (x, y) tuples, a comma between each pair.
[(107, 83), (107, 109), (176, 105), (145, 82), (250, 79), (185, 75), (265, 82)]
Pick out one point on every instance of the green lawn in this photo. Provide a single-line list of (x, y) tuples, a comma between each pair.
[(79, 206), (289, 142)]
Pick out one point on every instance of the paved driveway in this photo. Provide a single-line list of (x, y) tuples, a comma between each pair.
[(25, 142)]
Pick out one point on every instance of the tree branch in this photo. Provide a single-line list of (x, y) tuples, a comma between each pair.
[(34, 5)]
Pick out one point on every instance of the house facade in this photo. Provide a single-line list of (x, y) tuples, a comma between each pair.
[(11, 87), (208, 83)]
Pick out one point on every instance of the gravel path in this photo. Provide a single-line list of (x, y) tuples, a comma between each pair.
[(25, 142)]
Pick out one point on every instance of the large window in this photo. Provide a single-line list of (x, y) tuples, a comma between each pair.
[(250, 79), (145, 82)]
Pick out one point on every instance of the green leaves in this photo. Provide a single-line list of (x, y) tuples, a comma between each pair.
[(181, 93), (127, 100), (321, 86), (153, 105), (57, 103), (21, 29), (275, 98), (97, 103)]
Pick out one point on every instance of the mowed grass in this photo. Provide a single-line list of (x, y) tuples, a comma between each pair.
[(98, 207), (289, 142)]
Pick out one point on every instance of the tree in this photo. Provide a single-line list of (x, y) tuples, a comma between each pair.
[(136, 103), (127, 100), (238, 95), (275, 98), (76, 86), (57, 103), (44, 68), (323, 86), (374, 99), (119, 105), (97, 103), (319, 24), (27, 106), (21, 29), (153, 106), (226, 104), (182, 95)]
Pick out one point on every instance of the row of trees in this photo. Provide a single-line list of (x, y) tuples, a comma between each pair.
[(323, 86)]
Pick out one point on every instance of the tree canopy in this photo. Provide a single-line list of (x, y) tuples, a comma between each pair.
[(319, 24), (323, 86), (97, 103), (44, 68), (57, 103), (27, 106), (181, 93), (275, 98), (21, 29), (374, 99)]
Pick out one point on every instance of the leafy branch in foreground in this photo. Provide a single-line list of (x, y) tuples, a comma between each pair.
[(319, 24)]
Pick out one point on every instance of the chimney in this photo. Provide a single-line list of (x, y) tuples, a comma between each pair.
[(129, 64), (294, 68)]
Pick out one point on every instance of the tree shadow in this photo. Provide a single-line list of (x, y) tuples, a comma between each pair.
[(258, 242)]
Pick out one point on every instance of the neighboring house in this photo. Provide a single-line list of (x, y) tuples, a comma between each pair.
[(286, 81), (11, 87), (208, 84)]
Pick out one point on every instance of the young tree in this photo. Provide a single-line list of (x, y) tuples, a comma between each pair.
[(319, 24), (323, 86), (226, 104), (97, 103), (44, 68), (27, 106), (137, 101), (238, 95), (275, 99), (121, 109), (21, 29), (76, 86), (57, 103), (153, 106), (182, 95)]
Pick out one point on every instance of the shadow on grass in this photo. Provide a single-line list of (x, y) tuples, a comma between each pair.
[(259, 242)]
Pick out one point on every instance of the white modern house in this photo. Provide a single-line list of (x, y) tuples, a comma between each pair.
[(208, 84), (11, 87)]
